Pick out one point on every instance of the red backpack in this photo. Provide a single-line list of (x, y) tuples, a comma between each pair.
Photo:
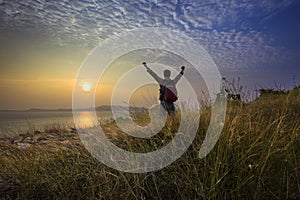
[(168, 93)]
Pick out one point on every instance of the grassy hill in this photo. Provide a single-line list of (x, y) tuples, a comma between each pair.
[(256, 157)]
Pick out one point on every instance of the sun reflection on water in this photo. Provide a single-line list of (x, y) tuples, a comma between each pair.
[(86, 119)]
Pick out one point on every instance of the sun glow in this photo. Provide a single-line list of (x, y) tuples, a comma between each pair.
[(86, 87)]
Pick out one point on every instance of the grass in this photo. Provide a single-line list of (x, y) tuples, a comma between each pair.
[(256, 157)]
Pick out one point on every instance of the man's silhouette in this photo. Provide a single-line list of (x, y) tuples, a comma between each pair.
[(166, 83), (223, 87)]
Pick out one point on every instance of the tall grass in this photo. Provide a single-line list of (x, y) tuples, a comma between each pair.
[(256, 157)]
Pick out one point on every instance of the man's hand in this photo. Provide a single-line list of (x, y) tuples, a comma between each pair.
[(145, 65), (182, 69)]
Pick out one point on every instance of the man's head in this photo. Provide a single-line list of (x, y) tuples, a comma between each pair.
[(167, 73)]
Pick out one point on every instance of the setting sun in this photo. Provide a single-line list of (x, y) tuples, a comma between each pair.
[(86, 87)]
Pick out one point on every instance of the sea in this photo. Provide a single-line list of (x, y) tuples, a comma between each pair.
[(16, 122)]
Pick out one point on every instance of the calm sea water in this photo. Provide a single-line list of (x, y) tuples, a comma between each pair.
[(12, 123)]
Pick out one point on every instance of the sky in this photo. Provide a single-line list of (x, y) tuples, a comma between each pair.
[(43, 42)]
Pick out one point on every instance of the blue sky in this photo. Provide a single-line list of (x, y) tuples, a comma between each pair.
[(47, 40)]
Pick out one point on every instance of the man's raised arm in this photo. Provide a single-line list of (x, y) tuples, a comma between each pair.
[(176, 79), (153, 74)]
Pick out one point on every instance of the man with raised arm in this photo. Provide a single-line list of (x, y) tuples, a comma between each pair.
[(167, 91)]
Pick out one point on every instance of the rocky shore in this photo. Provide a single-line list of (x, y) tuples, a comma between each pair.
[(26, 140)]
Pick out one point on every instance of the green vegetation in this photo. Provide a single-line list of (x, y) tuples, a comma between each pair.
[(256, 157)]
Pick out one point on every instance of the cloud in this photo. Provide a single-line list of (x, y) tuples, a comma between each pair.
[(237, 50), (224, 28), (92, 18)]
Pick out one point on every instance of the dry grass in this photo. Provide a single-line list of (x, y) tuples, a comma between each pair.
[(256, 157)]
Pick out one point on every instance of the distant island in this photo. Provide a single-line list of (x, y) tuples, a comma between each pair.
[(98, 108)]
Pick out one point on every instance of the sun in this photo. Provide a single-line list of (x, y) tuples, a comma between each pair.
[(86, 87)]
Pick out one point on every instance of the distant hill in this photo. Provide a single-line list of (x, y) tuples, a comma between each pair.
[(99, 108)]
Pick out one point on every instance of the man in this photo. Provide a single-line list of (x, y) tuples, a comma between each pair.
[(166, 83), (223, 87)]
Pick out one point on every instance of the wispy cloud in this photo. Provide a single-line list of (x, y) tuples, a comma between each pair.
[(223, 27), (236, 50)]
